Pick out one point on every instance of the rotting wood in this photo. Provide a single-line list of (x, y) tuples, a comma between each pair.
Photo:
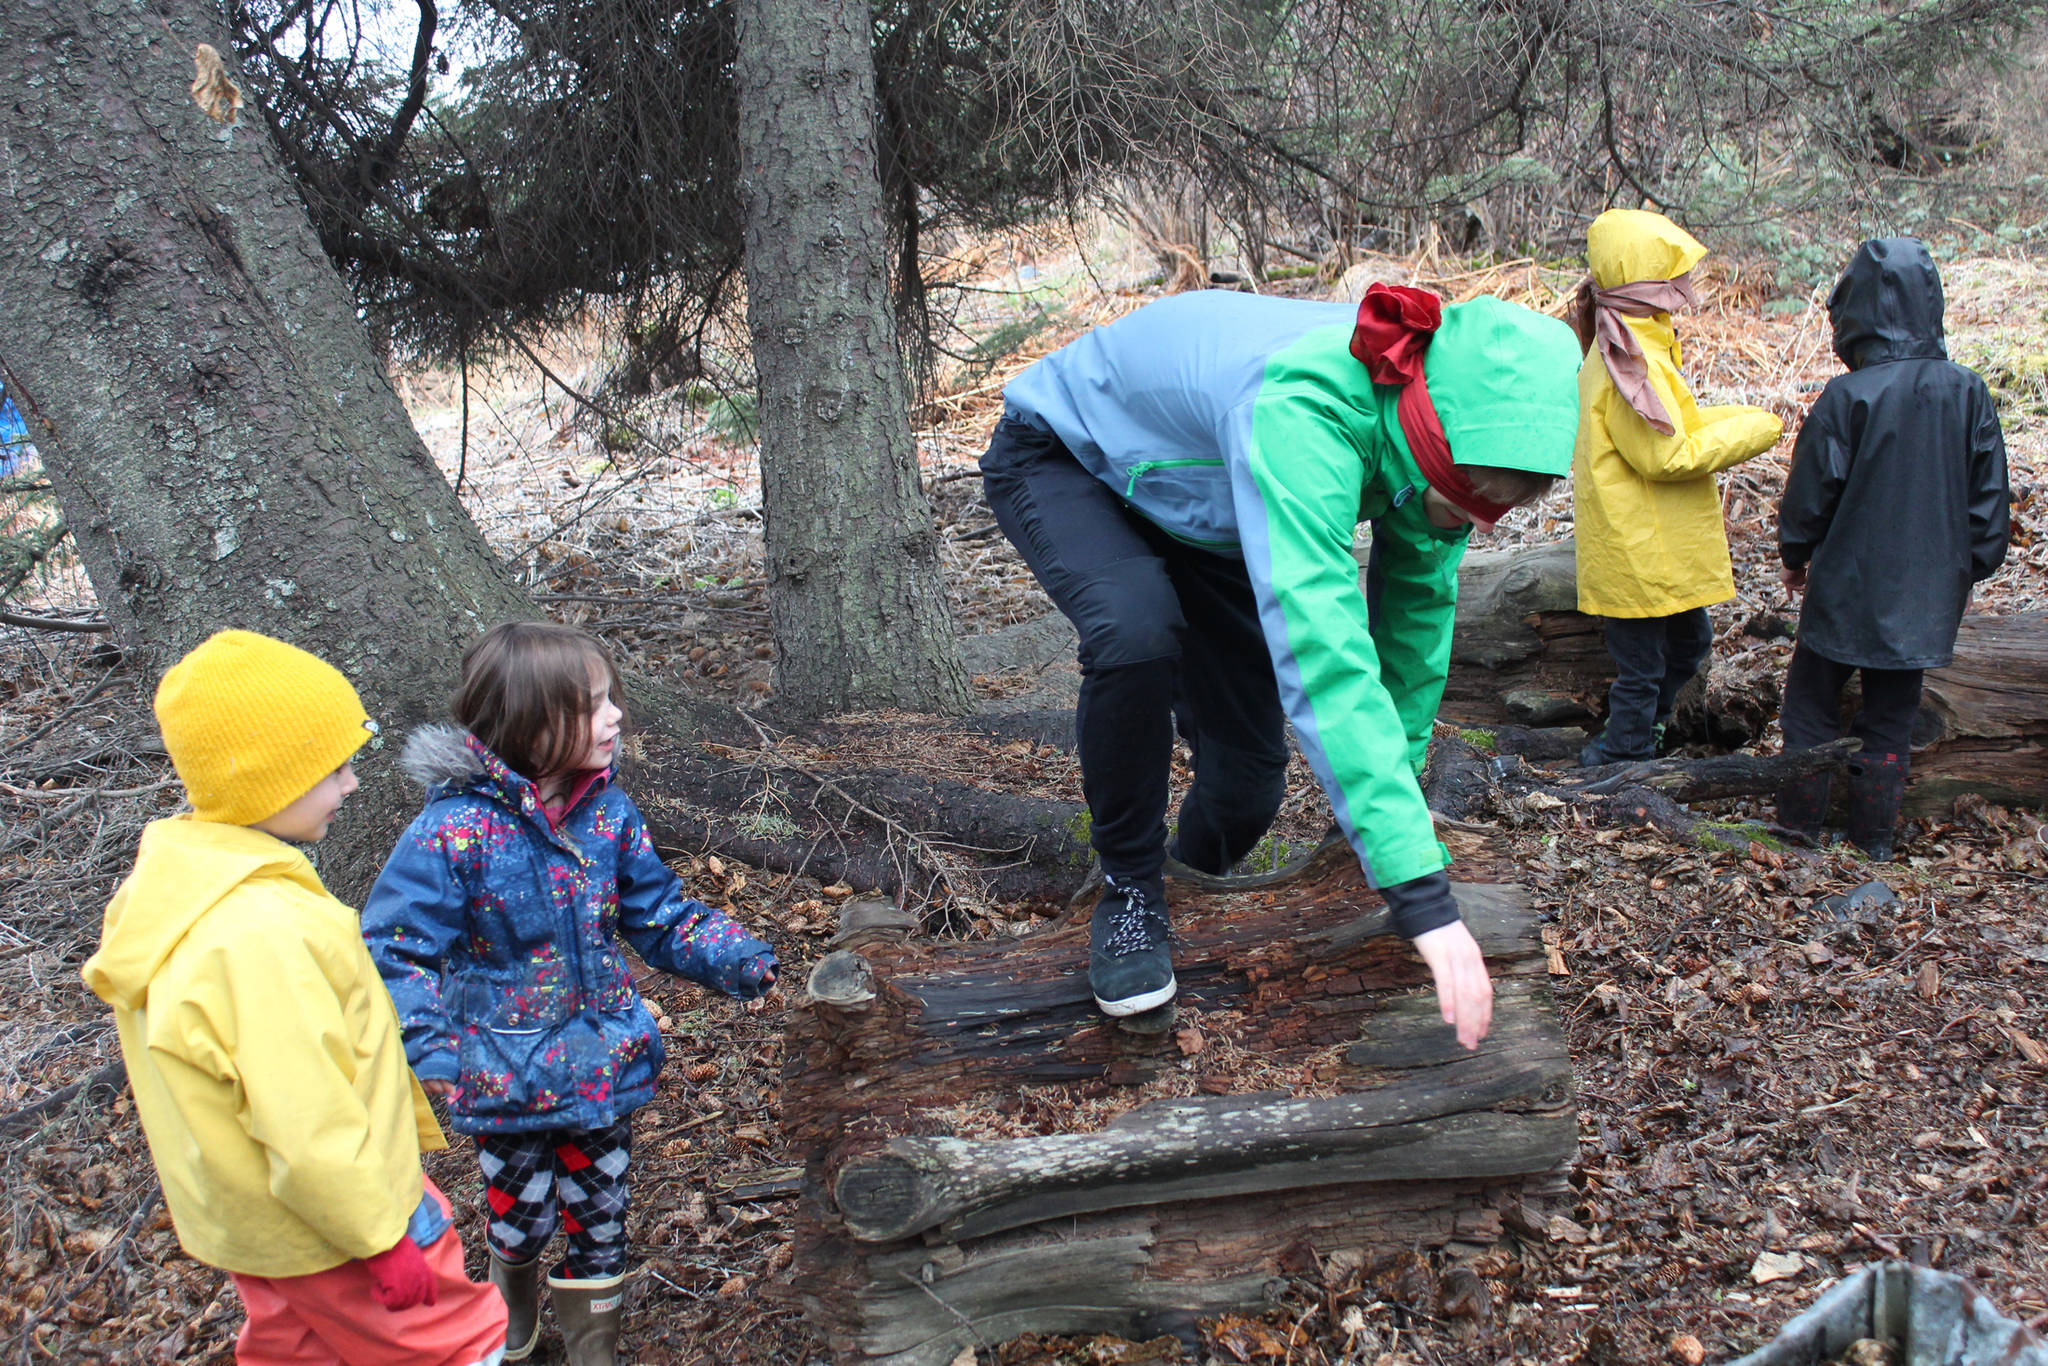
[(1202, 1148), (986, 1155), (1460, 781)]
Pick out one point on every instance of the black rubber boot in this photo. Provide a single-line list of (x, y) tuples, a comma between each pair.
[(1877, 786), (1803, 804)]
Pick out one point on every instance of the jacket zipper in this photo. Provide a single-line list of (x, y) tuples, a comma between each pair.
[(540, 816), (1145, 467)]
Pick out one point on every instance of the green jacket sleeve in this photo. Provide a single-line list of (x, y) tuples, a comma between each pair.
[(1297, 486), (1413, 587)]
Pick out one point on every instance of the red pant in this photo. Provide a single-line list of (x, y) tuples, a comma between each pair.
[(331, 1318)]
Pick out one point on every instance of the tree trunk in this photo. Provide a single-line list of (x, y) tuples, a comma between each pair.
[(987, 1156), (224, 443), (855, 596)]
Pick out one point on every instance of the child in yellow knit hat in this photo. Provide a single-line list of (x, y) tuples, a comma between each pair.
[(263, 1048)]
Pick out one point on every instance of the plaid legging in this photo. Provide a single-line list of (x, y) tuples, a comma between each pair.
[(576, 1177)]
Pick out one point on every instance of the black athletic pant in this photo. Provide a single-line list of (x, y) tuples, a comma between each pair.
[(1168, 632), (1812, 711)]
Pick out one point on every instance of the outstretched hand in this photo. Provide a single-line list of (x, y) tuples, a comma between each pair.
[(1464, 993), (1793, 579)]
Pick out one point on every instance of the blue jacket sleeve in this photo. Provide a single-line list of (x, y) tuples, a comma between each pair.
[(415, 914), (675, 933)]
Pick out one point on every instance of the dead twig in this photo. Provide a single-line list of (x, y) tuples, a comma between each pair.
[(52, 623), (111, 1077)]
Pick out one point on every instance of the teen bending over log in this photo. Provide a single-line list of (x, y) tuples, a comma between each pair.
[(1186, 483)]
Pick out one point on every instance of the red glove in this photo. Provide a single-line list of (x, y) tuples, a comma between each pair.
[(400, 1278)]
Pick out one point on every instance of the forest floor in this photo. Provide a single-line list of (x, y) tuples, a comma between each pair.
[(1774, 1088)]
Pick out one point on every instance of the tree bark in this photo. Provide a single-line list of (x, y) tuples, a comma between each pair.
[(986, 1155), (854, 591), (224, 443), (229, 451), (1983, 723)]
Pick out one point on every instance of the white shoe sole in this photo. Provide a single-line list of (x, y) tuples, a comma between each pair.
[(1138, 1005)]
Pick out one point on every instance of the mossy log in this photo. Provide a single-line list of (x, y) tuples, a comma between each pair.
[(986, 1155)]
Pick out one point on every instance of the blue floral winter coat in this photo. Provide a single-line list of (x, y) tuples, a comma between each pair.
[(498, 936)]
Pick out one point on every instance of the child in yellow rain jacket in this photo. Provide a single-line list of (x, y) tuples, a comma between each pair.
[(1652, 550), (264, 1050)]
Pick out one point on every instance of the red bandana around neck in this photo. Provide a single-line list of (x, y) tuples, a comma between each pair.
[(1395, 324)]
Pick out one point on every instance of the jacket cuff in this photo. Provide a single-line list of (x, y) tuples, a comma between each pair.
[(753, 975), (1794, 556), (741, 973), (439, 1065), (1421, 904)]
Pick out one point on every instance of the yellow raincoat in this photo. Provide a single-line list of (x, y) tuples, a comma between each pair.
[(1648, 513), (264, 1052)]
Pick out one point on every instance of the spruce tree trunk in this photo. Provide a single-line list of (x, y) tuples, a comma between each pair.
[(854, 590), (224, 442)]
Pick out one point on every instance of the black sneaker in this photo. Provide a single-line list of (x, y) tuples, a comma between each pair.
[(1129, 968)]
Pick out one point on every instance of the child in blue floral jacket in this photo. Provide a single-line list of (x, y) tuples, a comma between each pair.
[(496, 925)]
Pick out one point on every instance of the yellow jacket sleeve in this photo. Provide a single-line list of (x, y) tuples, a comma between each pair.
[(270, 1023), (1706, 439)]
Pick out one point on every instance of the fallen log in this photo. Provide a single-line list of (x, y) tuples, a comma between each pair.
[(985, 1155), (927, 838), (1523, 655), (1461, 781), (1521, 651), (1983, 722)]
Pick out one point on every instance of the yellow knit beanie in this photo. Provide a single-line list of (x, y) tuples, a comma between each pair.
[(252, 724)]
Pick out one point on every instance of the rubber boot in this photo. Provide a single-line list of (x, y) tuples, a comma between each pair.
[(1803, 804), (589, 1314), (1877, 786), (519, 1284)]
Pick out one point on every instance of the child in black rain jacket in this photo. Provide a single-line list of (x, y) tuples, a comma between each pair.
[(1896, 506)]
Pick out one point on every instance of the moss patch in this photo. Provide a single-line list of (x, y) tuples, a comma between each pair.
[(1723, 835)]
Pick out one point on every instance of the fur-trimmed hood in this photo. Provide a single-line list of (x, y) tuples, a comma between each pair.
[(442, 756)]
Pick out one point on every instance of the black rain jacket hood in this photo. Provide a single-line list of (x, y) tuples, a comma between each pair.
[(1897, 500), (1888, 305)]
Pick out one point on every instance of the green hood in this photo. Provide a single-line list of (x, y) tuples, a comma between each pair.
[(1505, 382)]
